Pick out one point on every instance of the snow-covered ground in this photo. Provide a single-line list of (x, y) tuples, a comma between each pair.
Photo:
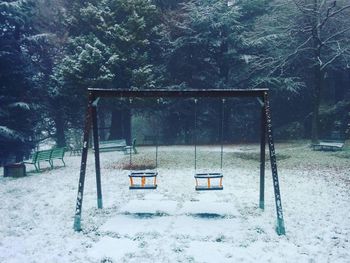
[(175, 223)]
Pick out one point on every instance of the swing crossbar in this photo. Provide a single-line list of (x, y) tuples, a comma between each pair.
[(208, 177), (143, 176)]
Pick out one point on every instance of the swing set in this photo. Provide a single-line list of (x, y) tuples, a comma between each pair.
[(147, 180)]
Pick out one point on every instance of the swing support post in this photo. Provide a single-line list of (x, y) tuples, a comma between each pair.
[(280, 229), (265, 136), (79, 202), (262, 156), (97, 153)]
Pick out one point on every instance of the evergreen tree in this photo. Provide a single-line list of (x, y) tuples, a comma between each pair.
[(207, 52), (112, 44), (16, 109)]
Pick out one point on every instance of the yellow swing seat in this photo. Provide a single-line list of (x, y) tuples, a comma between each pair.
[(208, 178), (147, 180)]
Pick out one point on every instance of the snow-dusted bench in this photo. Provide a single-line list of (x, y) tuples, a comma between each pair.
[(131, 148), (328, 146), (112, 145)]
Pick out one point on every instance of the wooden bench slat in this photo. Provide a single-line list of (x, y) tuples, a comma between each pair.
[(46, 155), (57, 153)]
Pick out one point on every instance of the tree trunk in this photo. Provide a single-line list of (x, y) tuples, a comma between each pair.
[(60, 128), (102, 125), (318, 74), (121, 125), (319, 77), (223, 61)]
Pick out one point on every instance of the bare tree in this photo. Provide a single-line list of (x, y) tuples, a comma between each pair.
[(300, 41)]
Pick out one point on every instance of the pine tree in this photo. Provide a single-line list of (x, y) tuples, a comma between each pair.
[(112, 44), (16, 127), (207, 51)]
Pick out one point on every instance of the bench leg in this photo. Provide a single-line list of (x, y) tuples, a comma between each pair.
[(51, 163), (64, 164), (36, 168)]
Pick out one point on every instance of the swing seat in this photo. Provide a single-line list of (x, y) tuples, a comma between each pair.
[(148, 180), (208, 177)]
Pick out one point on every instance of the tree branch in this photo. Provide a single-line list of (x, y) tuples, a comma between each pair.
[(332, 59), (330, 15), (304, 9), (334, 35)]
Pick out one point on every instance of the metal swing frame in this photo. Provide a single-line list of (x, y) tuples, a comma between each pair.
[(265, 133)]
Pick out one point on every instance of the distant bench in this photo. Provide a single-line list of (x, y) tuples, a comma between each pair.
[(112, 145), (328, 146), (131, 148), (48, 156)]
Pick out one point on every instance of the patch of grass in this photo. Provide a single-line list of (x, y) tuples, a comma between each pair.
[(345, 153), (135, 165), (255, 156)]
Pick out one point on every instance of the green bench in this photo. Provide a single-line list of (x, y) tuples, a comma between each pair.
[(57, 154), (46, 156)]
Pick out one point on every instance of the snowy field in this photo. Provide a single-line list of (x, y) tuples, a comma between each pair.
[(175, 223)]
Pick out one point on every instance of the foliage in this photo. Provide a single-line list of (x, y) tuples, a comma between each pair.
[(298, 46), (204, 36), (113, 44), (16, 86), (51, 51)]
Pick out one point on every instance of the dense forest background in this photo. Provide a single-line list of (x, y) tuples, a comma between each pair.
[(51, 51)]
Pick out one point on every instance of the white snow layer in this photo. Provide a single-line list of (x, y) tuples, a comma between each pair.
[(10, 134), (21, 105), (175, 223)]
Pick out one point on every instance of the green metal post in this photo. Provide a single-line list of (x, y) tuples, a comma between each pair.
[(280, 228), (97, 154), (79, 203), (262, 156)]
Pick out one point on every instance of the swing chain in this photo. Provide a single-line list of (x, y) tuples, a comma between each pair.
[(195, 134), (130, 153), (222, 132)]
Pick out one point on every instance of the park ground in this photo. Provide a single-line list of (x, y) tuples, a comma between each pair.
[(175, 223)]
